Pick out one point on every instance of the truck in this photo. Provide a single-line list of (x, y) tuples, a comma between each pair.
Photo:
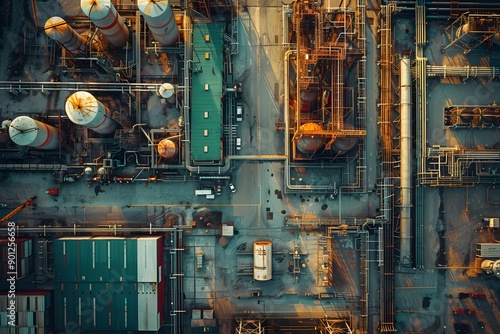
[(199, 261), (488, 250), (203, 192), (492, 222)]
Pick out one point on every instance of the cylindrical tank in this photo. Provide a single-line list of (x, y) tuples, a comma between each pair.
[(167, 148), (107, 19), (405, 164), (167, 91), (84, 109), (462, 32), (308, 98), (491, 116), (310, 143), (26, 131), (343, 144), (262, 260), (467, 115), (160, 19), (57, 29), (491, 267)]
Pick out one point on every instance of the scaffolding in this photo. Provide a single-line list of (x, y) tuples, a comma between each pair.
[(385, 120), (249, 326), (324, 38), (471, 30), (421, 130)]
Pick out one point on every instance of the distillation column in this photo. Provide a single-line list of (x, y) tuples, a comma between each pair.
[(160, 19), (405, 215), (57, 29), (107, 19)]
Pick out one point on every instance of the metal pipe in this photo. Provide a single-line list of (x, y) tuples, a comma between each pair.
[(44, 229), (406, 156)]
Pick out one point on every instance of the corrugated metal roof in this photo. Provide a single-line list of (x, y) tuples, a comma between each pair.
[(104, 271), (208, 59), (110, 301)]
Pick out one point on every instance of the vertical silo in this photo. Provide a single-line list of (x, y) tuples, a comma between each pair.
[(107, 19), (262, 260), (160, 19), (26, 131), (84, 109), (57, 29)]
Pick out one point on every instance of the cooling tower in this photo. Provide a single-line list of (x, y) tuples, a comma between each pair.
[(160, 20), (107, 19), (84, 109), (26, 131), (57, 29)]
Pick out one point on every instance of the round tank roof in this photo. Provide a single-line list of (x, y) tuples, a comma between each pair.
[(23, 130), (344, 144), (56, 27), (153, 8), (166, 90), (81, 107), (96, 9), (310, 143), (167, 148)]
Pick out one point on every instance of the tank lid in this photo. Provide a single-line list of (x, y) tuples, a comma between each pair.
[(81, 107), (23, 130), (55, 27), (166, 90), (96, 9), (152, 8)]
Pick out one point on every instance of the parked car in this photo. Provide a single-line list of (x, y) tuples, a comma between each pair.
[(239, 112), (218, 188), (232, 187)]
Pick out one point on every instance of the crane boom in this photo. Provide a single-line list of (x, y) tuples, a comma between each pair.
[(16, 210)]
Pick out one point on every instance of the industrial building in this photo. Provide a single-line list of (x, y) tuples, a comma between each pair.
[(246, 166)]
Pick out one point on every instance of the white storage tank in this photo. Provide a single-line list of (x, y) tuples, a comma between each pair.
[(160, 19), (26, 131), (262, 260), (84, 109), (57, 29), (167, 91), (107, 19)]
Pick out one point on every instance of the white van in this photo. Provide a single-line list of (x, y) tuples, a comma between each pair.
[(239, 112), (238, 143)]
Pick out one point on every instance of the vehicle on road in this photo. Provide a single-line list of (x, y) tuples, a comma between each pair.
[(239, 112), (232, 187)]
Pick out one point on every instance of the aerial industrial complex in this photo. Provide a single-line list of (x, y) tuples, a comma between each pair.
[(249, 166)]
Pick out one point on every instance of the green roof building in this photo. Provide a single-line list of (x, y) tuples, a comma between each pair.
[(108, 284), (206, 96)]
